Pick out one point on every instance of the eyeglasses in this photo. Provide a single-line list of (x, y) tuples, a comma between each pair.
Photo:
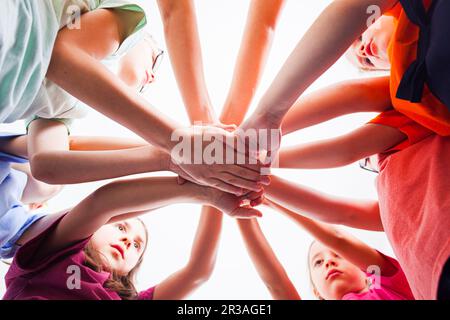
[(367, 164), (155, 66)]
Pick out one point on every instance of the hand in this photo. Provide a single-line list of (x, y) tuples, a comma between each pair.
[(236, 207), (198, 159), (267, 144)]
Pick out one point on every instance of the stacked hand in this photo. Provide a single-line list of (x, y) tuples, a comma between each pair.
[(208, 155)]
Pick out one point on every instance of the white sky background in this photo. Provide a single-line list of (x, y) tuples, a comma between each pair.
[(221, 24)]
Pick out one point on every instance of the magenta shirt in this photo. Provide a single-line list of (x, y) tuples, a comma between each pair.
[(395, 287), (51, 278)]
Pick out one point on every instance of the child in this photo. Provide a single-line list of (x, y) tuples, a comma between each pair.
[(331, 35), (339, 265), (422, 258), (19, 187), (103, 240), (105, 26)]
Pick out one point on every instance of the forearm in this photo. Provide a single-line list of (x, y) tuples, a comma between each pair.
[(87, 143), (359, 144), (202, 260), (68, 167), (255, 47), (182, 39), (339, 241), (360, 95), (144, 194), (266, 262), (16, 146), (206, 243), (75, 67), (330, 153), (327, 39), (353, 213), (327, 234)]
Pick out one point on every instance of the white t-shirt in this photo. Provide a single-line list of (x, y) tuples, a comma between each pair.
[(48, 100)]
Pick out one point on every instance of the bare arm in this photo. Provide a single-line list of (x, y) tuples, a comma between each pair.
[(133, 197), (77, 53), (54, 163), (98, 143), (201, 261), (343, 243), (16, 146), (359, 95), (255, 47), (182, 38), (368, 140), (353, 213), (327, 39), (266, 262)]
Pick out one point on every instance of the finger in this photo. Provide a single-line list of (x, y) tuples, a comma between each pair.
[(246, 213), (224, 186), (185, 176), (252, 195), (240, 182), (227, 127), (257, 202), (245, 173), (181, 180)]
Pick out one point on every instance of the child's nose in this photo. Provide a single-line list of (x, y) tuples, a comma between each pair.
[(331, 263), (362, 50)]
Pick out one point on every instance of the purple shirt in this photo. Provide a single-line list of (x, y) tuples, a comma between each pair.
[(55, 277)]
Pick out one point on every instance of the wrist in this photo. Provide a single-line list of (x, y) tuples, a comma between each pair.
[(165, 161)]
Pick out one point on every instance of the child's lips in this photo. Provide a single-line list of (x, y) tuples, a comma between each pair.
[(119, 249), (332, 273)]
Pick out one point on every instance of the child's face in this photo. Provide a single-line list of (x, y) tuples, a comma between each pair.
[(121, 244), (333, 276), (136, 67), (370, 50)]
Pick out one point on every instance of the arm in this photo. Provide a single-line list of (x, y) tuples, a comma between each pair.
[(90, 143), (19, 145), (203, 252), (201, 261), (368, 140), (266, 262), (16, 146), (76, 52), (353, 213), (129, 198), (344, 244), (327, 39), (55, 164), (255, 47), (182, 38), (359, 95)]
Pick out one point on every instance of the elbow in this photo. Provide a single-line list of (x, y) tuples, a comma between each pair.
[(200, 275), (41, 169), (130, 76), (170, 10)]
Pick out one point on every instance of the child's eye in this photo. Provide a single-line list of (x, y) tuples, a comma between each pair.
[(137, 246), (317, 263), (368, 62), (121, 227)]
